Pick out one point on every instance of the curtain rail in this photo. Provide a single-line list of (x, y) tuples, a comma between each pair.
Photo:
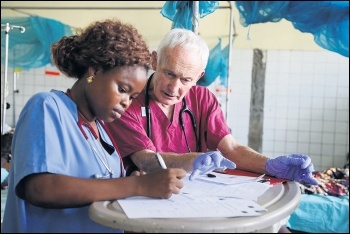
[(90, 8)]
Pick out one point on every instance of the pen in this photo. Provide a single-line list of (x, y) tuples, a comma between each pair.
[(160, 160), (211, 175), (264, 180), (260, 178)]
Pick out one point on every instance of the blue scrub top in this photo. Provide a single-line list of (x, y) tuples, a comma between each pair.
[(47, 139)]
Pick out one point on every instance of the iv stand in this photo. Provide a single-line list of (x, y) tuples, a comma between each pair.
[(7, 28)]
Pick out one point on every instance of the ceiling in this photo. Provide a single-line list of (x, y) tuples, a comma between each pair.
[(146, 17)]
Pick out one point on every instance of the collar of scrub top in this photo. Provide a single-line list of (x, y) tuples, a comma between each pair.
[(81, 122)]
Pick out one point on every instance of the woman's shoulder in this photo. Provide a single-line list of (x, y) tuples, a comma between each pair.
[(48, 98), (45, 95)]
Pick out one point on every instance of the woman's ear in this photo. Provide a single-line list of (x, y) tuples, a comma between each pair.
[(154, 60), (91, 71)]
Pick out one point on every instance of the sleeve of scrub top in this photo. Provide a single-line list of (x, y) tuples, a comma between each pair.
[(213, 118), (37, 138)]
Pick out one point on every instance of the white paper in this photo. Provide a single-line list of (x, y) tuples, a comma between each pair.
[(248, 190), (199, 199), (188, 206)]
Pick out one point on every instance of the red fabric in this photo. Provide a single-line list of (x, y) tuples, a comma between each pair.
[(130, 131), (273, 180), (332, 182)]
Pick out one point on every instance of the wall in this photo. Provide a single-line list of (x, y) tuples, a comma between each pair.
[(306, 101), (306, 107)]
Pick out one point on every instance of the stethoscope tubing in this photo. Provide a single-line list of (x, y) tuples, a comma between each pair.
[(184, 109)]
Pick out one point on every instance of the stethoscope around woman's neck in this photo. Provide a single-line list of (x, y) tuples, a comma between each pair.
[(100, 148), (182, 111)]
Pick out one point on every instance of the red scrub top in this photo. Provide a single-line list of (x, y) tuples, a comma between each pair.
[(130, 131)]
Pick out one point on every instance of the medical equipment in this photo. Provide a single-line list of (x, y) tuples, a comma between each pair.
[(7, 28), (184, 109), (101, 153)]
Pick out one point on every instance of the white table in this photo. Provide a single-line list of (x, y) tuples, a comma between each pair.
[(280, 200)]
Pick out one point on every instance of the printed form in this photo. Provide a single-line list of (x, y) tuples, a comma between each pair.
[(201, 198)]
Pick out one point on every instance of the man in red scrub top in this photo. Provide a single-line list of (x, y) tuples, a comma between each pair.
[(184, 122)]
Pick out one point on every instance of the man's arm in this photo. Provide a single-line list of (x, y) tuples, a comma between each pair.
[(244, 157), (146, 160)]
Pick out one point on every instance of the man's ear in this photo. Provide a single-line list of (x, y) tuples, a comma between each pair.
[(200, 76), (154, 60)]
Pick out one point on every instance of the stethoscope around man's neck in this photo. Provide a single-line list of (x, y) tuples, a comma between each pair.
[(182, 111)]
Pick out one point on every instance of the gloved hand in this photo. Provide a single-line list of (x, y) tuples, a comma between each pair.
[(209, 161), (296, 167)]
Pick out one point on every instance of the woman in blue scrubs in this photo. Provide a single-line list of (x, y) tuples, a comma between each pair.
[(63, 158)]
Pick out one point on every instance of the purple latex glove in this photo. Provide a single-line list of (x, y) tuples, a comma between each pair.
[(209, 161), (296, 167)]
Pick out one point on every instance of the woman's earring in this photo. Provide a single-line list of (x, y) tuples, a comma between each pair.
[(89, 79)]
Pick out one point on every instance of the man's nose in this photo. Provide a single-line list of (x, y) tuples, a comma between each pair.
[(174, 84)]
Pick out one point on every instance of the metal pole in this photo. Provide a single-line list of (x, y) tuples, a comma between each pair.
[(195, 16), (232, 27), (7, 29), (15, 90)]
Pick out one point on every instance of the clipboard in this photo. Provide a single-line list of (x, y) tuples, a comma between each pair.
[(273, 180)]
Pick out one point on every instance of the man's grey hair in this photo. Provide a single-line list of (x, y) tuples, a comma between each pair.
[(185, 39)]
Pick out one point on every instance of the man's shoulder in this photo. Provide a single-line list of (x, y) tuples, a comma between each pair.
[(199, 88), (136, 104), (135, 107), (200, 91)]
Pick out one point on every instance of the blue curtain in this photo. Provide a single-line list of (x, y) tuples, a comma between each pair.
[(217, 66), (224, 66), (328, 21), (31, 49), (213, 68)]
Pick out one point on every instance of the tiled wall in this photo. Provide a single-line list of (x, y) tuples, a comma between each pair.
[(306, 106), (29, 82), (306, 102)]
